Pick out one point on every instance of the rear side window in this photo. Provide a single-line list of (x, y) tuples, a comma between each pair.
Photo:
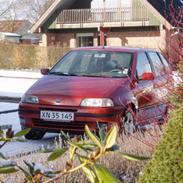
[(165, 62), (143, 65), (157, 64)]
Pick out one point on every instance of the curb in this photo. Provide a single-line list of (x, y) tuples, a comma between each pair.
[(10, 99), (20, 77)]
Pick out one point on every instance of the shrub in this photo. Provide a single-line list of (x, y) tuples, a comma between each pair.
[(166, 165), (17, 56)]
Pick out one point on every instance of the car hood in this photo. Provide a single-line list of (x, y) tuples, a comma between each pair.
[(71, 90)]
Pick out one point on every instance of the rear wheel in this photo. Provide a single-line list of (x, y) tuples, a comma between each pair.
[(34, 134)]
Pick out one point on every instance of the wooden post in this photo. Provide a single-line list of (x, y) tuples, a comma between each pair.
[(103, 31), (102, 38)]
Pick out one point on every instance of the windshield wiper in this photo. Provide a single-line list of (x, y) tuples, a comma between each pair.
[(59, 73), (63, 74), (97, 76)]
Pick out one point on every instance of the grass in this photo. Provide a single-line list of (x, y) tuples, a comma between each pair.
[(125, 170)]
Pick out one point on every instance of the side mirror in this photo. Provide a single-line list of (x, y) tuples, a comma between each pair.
[(45, 71), (147, 76)]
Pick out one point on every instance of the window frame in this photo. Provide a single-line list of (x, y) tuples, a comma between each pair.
[(144, 52)]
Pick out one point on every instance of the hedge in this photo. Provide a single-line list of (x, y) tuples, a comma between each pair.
[(16, 56), (166, 165)]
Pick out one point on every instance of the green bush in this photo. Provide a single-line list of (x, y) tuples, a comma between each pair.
[(166, 165)]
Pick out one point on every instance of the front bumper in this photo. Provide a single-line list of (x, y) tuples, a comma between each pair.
[(29, 115)]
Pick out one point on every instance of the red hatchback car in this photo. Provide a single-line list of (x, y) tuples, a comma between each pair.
[(98, 87)]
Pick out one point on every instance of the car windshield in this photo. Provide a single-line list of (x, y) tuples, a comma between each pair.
[(94, 64)]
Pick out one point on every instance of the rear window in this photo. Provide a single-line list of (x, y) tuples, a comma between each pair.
[(94, 63)]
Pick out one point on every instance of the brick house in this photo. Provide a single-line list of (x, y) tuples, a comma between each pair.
[(75, 23)]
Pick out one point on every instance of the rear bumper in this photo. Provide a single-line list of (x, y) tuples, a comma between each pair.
[(29, 115)]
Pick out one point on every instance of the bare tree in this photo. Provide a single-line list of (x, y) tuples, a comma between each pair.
[(7, 9), (23, 9), (33, 9)]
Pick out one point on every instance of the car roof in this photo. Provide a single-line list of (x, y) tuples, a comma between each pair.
[(114, 48)]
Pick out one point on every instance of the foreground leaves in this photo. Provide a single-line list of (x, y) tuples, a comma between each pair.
[(88, 152), (22, 133), (92, 137), (110, 138), (56, 154), (90, 174), (133, 157), (8, 170), (104, 175)]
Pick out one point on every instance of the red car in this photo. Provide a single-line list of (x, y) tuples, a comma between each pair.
[(98, 87)]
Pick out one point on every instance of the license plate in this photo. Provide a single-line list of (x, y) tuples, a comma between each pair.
[(57, 116)]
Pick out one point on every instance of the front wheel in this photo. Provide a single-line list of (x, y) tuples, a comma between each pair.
[(128, 122), (34, 134)]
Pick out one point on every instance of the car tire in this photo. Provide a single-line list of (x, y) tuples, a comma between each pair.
[(128, 122), (34, 134)]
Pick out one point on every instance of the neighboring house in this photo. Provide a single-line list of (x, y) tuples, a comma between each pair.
[(75, 23), (10, 37), (16, 31)]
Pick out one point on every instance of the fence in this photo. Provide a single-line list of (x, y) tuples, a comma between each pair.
[(98, 15)]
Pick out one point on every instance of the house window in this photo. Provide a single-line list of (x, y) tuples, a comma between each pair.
[(85, 39)]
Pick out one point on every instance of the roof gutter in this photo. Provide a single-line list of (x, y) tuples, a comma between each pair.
[(157, 14)]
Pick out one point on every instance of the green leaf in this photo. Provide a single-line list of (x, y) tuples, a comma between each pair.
[(133, 157), (92, 136), (89, 174), (20, 140), (8, 169), (30, 168), (110, 139), (103, 175), (26, 173), (5, 139), (101, 133), (82, 146), (113, 148), (22, 133), (50, 174), (56, 154), (2, 156)]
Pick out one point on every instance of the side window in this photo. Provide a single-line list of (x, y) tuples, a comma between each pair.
[(157, 64), (143, 65), (165, 62)]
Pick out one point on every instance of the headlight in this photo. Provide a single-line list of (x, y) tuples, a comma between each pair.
[(97, 102), (30, 99)]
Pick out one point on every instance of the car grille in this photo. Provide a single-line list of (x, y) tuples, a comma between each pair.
[(71, 126)]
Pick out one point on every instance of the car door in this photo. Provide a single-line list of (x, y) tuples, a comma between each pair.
[(160, 84), (143, 92)]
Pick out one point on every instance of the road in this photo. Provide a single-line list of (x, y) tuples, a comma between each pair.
[(13, 85), (15, 148)]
